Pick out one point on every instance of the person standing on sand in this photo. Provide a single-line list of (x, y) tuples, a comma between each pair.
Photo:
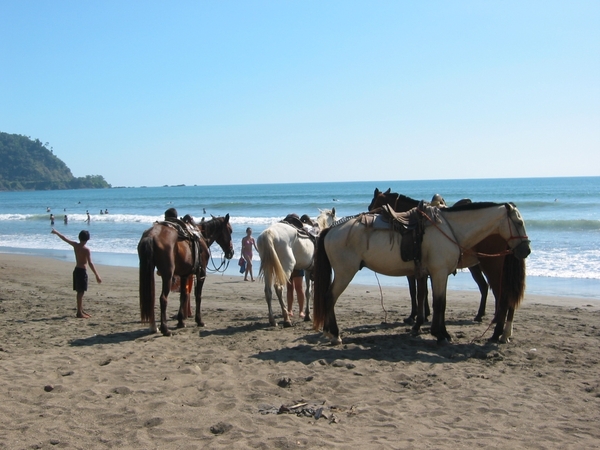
[(83, 257), (295, 284), (247, 245)]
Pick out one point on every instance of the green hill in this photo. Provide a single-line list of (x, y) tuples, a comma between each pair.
[(29, 165)]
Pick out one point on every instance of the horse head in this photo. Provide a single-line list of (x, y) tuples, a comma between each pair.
[(518, 240), (326, 218), (219, 229), (398, 202)]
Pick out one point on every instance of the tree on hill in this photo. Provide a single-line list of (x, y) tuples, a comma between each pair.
[(29, 165)]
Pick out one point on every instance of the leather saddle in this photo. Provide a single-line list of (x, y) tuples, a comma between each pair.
[(187, 230), (410, 225)]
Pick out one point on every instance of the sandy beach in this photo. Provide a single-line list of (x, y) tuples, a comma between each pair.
[(106, 382)]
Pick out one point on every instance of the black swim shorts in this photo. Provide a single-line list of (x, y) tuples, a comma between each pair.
[(80, 280)]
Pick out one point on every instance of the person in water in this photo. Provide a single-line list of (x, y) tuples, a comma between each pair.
[(247, 244), (83, 258)]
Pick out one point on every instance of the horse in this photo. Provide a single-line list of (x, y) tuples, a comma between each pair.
[(166, 247), (284, 248), (489, 246), (350, 244)]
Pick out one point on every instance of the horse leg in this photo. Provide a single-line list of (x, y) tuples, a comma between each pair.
[(500, 321), (330, 326), (200, 277), (439, 285), (268, 298), (164, 295), (307, 292), (477, 275), (421, 293), (412, 289), (184, 302), (284, 312), (508, 328)]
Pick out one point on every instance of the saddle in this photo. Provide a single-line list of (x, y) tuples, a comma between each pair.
[(294, 221), (187, 230), (410, 225)]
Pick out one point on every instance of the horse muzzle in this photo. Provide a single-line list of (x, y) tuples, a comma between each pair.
[(229, 254), (522, 250)]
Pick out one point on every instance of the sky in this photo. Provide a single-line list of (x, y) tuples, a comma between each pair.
[(152, 93)]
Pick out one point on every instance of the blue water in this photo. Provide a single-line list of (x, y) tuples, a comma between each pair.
[(562, 216)]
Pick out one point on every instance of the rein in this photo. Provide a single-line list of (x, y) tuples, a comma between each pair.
[(224, 262)]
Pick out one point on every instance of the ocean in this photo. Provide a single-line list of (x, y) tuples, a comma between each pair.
[(562, 217)]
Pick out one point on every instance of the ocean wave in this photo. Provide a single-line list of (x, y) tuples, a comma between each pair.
[(564, 225)]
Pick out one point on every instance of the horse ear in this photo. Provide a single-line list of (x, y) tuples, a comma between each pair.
[(227, 218), (212, 216), (202, 221), (333, 211), (388, 191), (376, 193)]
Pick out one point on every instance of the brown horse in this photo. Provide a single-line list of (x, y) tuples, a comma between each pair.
[(489, 257), (173, 252)]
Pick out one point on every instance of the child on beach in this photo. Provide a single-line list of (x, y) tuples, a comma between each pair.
[(83, 257)]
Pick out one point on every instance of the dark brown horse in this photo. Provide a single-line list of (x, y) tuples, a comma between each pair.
[(173, 252), (493, 261)]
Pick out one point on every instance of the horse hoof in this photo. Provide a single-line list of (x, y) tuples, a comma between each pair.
[(200, 324), (409, 321), (478, 319), (287, 324), (443, 341), (307, 318)]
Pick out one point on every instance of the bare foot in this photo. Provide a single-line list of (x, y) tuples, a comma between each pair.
[(302, 315), (83, 315)]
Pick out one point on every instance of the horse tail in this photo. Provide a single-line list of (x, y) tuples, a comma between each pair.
[(513, 281), (322, 304), (146, 253), (269, 260)]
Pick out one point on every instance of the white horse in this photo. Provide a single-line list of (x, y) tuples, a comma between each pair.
[(449, 233), (284, 248)]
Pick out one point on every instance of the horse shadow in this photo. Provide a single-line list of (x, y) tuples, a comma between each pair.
[(364, 342), (111, 338)]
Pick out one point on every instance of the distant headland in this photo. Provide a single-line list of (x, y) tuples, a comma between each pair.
[(28, 165)]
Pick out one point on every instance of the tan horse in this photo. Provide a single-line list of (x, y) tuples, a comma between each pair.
[(351, 245), (491, 260), (165, 248)]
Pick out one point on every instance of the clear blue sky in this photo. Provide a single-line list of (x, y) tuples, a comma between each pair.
[(227, 92)]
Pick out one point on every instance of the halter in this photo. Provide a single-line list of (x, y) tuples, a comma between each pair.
[(224, 261), (511, 232)]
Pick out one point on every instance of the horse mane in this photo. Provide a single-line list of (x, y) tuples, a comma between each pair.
[(472, 206), (209, 226), (513, 281), (344, 220)]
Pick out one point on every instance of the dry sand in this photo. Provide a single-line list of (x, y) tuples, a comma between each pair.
[(105, 382)]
